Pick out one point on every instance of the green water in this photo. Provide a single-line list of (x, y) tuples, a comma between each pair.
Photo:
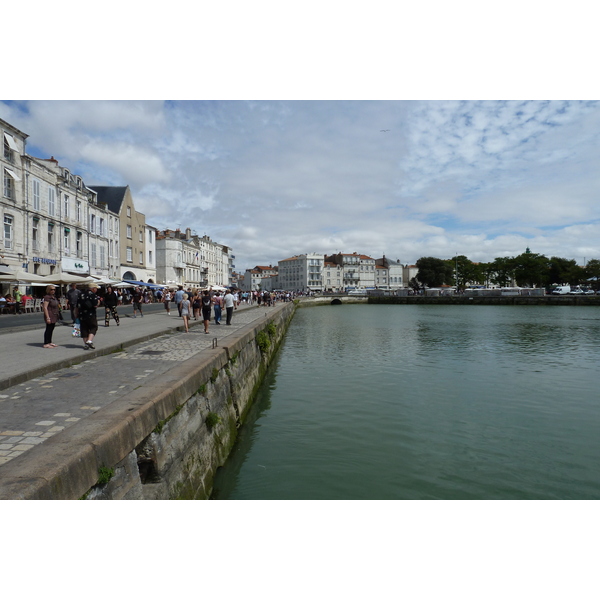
[(426, 402)]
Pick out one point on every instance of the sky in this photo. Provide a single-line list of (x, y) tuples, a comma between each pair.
[(401, 178)]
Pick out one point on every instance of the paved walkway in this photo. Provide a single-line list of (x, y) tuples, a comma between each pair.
[(42, 405)]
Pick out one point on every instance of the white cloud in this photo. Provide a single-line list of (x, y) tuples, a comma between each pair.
[(273, 179)]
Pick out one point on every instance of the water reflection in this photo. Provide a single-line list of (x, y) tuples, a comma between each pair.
[(426, 402)]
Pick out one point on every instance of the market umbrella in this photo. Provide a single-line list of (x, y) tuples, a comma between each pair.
[(67, 278), (24, 277)]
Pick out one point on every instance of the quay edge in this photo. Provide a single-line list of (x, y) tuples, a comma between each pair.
[(163, 442)]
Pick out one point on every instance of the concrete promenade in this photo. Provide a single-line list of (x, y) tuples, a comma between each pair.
[(45, 391)]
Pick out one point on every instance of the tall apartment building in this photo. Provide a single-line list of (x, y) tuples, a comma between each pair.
[(358, 270), (186, 259), (52, 221), (253, 277), (302, 273), (129, 254), (388, 274)]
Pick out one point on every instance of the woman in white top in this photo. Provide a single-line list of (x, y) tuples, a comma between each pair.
[(186, 310)]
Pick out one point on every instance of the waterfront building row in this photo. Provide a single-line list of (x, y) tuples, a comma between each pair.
[(54, 222), (336, 273)]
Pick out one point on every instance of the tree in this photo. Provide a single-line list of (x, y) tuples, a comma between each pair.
[(433, 272), (592, 269), (531, 269), (465, 272), (501, 271), (563, 270)]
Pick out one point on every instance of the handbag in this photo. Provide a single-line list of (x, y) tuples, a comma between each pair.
[(76, 329)]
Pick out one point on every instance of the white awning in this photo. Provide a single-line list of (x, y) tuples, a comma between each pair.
[(12, 174), (10, 140)]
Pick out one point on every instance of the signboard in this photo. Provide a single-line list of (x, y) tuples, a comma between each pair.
[(74, 265)]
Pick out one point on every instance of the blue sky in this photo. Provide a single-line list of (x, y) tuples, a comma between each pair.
[(277, 178)]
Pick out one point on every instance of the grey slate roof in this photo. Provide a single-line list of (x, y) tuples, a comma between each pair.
[(112, 196)]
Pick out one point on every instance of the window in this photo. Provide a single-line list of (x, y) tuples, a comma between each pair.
[(101, 229), (129, 211), (79, 244), (9, 183), (102, 256), (150, 257), (141, 258), (10, 146), (51, 201), (92, 223), (8, 231), (67, 240), (128, 232), (79, 211), (149, 236), (129, 254), (35, 189), (141, 237), (50, 237), (35, 235), (93, 255), (111, 249), (66, 207)]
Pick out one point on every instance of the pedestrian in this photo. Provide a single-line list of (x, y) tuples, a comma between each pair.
[(86, 312), (137, 300), (111, 300), (72, 295), (17, 296), (206, 305), (229, 302), (186, 310), (51, 310), (218, 306), (196, 304), (167, 300), (179, 297)]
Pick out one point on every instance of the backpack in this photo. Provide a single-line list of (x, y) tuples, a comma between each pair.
[(87, 303)]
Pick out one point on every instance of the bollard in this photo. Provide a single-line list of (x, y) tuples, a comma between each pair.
[(215, 343)]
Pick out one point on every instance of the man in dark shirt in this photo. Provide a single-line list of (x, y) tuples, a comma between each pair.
[(86, 313), (72, 295)]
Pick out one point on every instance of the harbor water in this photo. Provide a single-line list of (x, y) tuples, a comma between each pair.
[(426, 402)]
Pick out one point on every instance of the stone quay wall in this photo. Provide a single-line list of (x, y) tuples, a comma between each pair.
[(548, 300), (163, 443)]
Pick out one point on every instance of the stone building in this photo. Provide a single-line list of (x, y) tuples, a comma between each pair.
[(302, 273), (129, 253), (52, 221)]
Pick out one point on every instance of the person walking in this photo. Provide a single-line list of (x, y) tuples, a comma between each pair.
[(111, 300), (179, 297), (229, 302), (137, 300), (196, 304), (167, 300), (86, 312), (218, 306), (72, 295), (51, 310), (186, 310), (206, 306)]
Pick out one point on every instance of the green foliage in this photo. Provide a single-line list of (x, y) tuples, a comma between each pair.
[(215, 374), (433, 272), (234, 358), (212, 419), (271, 329), (263, 341), (202, 390), (160, 426), (105, 475)]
